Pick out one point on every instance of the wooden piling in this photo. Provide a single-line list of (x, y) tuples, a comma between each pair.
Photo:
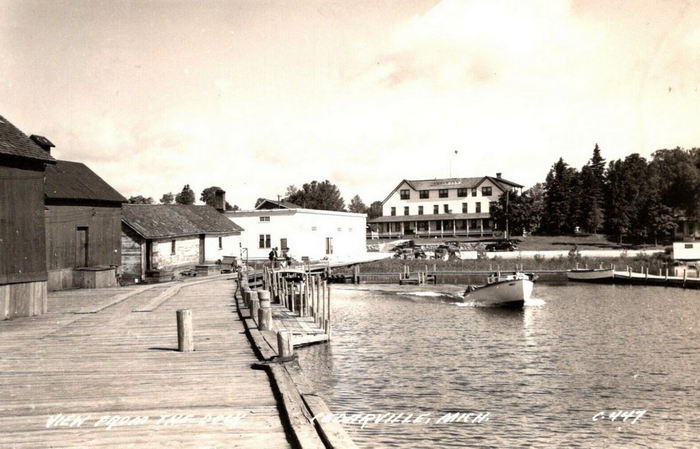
[(285, 349), (185, 336), (265, 318), (254, 306)]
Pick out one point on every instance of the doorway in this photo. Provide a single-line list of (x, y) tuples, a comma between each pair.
[(82, 246)]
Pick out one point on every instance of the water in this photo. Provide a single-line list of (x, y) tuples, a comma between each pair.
[(542, 373)]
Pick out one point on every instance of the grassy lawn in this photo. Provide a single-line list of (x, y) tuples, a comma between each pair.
[(538, 242)]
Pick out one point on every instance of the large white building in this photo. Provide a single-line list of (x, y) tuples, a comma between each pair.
[(304, 233), (441, 207)]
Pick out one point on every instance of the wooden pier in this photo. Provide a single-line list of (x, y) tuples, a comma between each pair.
[(112, 354)]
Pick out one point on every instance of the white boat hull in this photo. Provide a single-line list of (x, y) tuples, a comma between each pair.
[(503, 293)]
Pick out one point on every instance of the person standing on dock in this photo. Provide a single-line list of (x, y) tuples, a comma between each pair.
[(273, 257)]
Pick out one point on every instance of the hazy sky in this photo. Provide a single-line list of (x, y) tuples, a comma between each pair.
[(256, 95)]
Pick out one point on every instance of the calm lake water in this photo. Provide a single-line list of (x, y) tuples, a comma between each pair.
[(543, 373)]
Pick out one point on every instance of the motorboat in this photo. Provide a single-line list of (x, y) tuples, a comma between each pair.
[(511, 290), (591, 275)]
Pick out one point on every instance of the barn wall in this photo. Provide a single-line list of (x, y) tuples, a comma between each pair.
[(133, 252), (104, 235), (22, 236)]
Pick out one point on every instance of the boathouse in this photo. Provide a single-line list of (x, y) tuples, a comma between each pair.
[(83, 228), (304, 233), (441, 207), (159, 241), (22, 235)]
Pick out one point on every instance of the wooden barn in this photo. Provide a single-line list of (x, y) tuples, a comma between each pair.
[(83, 228), (22, 236), (160, 240)]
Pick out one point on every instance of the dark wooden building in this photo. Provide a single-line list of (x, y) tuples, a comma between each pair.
[(83, 228), (22, 236)]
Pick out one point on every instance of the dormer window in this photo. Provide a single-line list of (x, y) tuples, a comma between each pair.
[(424, 194), (462, 192), (442, 193), (405, 194)]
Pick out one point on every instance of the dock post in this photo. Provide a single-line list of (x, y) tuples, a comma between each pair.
[(264, 297), (685, 276), (185, 336), (666, 274), (328, 323), (265, 318), (646, 274), (254, 306), (249, 296), (285, 349)]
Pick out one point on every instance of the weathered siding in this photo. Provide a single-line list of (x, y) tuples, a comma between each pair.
[(104, 231), (133, 252), (23, 299), (22, 237)]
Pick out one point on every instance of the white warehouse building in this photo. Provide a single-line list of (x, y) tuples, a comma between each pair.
[(304, 233)]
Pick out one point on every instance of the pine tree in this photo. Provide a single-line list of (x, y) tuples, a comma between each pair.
[(186, 196)]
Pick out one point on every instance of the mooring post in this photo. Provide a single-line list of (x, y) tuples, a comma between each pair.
[(328, 323), (285, 349), (254, 306), (264, 297), (250, 295), (685, 276), (265, 318), (185, 336)]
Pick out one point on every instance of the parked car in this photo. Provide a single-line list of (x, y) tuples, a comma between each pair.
[(502, 245)]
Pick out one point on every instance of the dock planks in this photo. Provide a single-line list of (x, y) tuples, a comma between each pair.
[(94, 356)]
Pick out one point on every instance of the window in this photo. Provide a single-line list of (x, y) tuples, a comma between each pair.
[(688, 246), (436, 209), (424, 194), (264, 219), (478, 208), (264, 241), (465, 208), (172, 247), (405, 194), (438, 225), (462, 192), (442, 193), (474, 191), (423, 226), (221, 243), (486, 191), (340, 229), (446, 208), (393, 211), (314, 228), (405, 210), (420, 210), (283, 244)]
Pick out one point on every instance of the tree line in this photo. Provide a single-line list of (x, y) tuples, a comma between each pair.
[(186, 196), (633, 198)]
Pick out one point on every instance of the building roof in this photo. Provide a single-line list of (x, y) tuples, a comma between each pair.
[(453, 183), (265, 203), (155, 221), (429, 217), (14, 142), (75, 181)]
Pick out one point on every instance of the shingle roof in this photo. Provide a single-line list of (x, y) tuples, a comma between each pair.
[(264, 203), (455, 183), (75, 181), (153, 221), (14, 142)]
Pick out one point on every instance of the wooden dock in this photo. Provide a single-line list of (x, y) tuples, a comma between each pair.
[(108, 353)]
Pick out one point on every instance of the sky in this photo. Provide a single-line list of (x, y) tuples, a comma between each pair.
[(257, 95)]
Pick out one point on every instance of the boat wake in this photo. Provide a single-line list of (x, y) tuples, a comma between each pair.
[(532, 302)]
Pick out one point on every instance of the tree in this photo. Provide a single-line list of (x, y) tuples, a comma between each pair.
[(357, 206), (375, 210), (561, 199), (514, 212), (678, 173), (186, 196), (592, 192), (208, 195), (167, 198), (140, 199), (318, 195)]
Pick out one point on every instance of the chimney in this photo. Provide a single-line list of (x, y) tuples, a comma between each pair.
[(43, 142), (220, 200), (498, 175)]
